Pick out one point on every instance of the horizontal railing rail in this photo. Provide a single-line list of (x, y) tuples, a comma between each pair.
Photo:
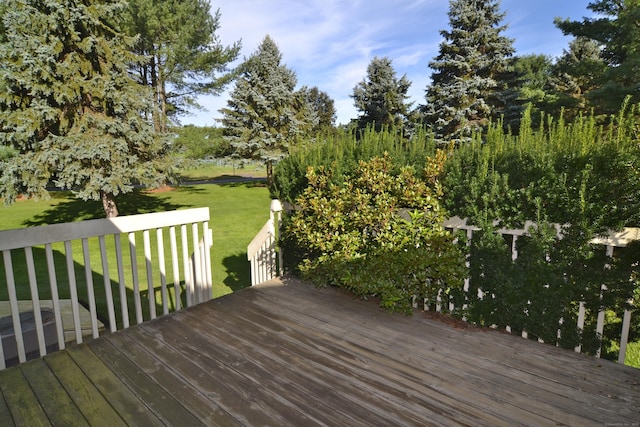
[(85, 278)]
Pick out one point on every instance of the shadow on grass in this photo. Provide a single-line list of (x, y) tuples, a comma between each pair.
[(41, 276), (240, 177), (238, 272), (136, 202)]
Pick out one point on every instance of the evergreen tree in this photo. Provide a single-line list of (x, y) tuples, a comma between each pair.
[(579, 71), (524, 82), (184, 55), (260, 119), (71, 112), (381, 98), (616, 29), (322, 106), (472, 56)]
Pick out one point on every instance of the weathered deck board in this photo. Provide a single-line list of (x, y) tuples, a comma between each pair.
[(59, 407), (290, 354)]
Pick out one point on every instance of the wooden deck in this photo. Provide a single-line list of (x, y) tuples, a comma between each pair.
[(289, 354)]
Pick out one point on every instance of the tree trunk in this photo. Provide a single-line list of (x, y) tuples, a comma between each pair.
[(269, 172), (109, 204)]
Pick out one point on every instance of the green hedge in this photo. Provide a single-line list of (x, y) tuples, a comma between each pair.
[(340, 151), (582, 175), (579, 175)]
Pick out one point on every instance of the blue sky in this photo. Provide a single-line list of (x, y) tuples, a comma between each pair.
[(329, 43)]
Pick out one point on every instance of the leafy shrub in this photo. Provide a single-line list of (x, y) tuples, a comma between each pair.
[(377, 233), (577, 173), (582, 176), (340, 151)]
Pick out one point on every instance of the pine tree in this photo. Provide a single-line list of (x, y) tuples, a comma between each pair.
[(185, 58), (525, 82), (322, 107), (471, 57), (577, 73), (260, 119), (381, 98), (616, 29), (70, 110)]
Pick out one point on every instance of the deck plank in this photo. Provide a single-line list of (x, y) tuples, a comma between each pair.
[(286, 353), (57, 404), (402, 375), (259, 361), (5, 413), (358, 380), (517, 382), (241, 385), (22, 402), (91, 403), (180, 385), (131, 409), (166, 407)]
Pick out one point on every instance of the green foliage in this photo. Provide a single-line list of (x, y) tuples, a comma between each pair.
[(198, 143), (322, 106), (184, 57), (340, 150), (567, 173), (578, 72), (381, 98), (471, 58), (71, 110), (260, 121), (377, 233), (574, 174), (615, 28), (524, 82)]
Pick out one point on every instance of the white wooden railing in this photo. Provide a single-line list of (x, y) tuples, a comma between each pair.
[(181, 268), (266, 262), (263, 254)]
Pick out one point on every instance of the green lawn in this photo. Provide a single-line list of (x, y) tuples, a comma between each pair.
[(237, 211), (213, 170)]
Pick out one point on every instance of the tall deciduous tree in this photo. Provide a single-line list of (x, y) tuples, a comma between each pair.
[(260, 119), (185, 58), (381, 98), (70, 110), (616, 28), (471, 57)]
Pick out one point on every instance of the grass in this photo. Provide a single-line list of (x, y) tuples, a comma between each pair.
[(212, 170), (237, 210), (632, 358)]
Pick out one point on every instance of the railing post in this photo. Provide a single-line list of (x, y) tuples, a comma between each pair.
[(624, 337), (276, 220)]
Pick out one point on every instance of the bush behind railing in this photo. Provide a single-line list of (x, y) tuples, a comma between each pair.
[(340, 151), (580, 174)]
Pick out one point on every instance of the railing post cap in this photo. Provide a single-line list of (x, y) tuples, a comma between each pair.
[(276, 206)]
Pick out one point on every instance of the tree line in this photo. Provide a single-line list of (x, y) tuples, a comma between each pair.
[(90, 91)]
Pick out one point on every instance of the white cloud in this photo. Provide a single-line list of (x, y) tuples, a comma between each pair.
[(329, 43)]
